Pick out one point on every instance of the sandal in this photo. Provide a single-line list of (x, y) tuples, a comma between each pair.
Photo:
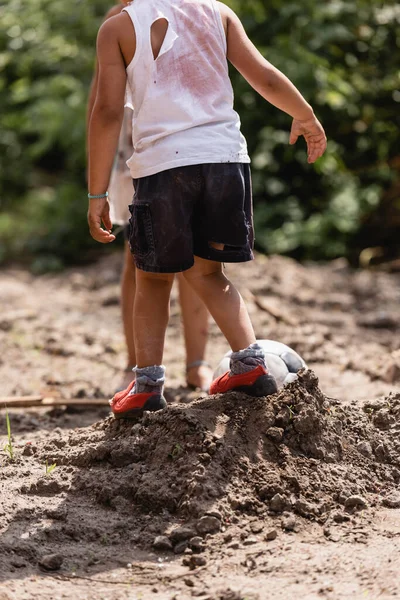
[(193, 365)]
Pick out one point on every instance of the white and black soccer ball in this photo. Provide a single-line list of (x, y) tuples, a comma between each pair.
[(282, 362)]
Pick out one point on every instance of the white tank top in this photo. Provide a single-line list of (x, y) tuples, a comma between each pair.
[(182, 101)]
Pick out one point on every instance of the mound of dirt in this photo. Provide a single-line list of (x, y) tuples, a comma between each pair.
[(205, 462)]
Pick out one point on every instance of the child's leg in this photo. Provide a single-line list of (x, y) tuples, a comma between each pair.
[(150, 320), (150, 316), (223, 301), (195, 319), (248, 372), (128, 285)]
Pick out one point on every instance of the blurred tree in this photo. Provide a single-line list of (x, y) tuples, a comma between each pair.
[(342, 54)]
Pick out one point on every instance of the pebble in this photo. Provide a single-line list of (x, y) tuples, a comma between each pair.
[(365, 449), (392, 501), (288, 523), (278, 503), (181, 533), (161, 542), (196, 542), (355, 502), (208, 524), (214, 513), (275, 434), (271, 535), (256, 527), (383, 420), (51, 562), (180, 547), (234, 546), (194, 561), (249, 541)]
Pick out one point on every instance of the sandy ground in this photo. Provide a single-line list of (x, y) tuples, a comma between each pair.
[(250, 471)]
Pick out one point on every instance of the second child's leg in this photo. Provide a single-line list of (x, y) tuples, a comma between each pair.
[(195, 320)]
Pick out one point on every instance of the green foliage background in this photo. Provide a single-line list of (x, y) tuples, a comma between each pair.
[(343, 55)]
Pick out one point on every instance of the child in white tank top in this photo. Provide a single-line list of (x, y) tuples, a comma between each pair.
[(192, 209)]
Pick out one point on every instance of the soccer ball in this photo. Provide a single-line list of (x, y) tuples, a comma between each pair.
[(282, 362)]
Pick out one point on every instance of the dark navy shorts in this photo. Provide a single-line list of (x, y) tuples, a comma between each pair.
[(175, 214)]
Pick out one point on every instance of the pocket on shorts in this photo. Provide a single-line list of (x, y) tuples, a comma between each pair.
[(141, 230)]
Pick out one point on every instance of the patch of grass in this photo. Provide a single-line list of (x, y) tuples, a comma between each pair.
[(8, 448), (49, 468), (176, 451), (292, 414)]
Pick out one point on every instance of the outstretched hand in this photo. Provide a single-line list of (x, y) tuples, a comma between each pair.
[(99, 211), (314, 135)]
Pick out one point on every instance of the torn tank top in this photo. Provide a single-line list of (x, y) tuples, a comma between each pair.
[(182, 100)]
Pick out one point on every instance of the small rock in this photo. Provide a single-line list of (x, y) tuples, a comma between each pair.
[(208, 524), (275, 434), (355, 503), (161, 542), (180, 547), (28, 449), (196, 543), (306, 509), (278, 503), (288, 523), (234, 546), (256, 527), (392, 501), (194, 561), (271, 535), (339, 517), (189, 582), (51, 562), (214, 513), (181, 533), (383, 419), (365, 448), (250, 541)]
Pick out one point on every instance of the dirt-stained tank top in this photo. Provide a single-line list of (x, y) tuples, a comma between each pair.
[(182, 100)]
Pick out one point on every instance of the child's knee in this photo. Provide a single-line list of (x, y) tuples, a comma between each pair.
[(202, 268), (154, 277)]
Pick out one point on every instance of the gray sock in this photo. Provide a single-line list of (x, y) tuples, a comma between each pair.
[(149, 379), (247, 359)]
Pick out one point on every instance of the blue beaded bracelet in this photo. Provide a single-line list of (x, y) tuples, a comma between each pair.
[(92, 196)]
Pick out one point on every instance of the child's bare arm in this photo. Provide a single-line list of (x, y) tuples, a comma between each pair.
[(115, 10), (105, 125), (272, 84)]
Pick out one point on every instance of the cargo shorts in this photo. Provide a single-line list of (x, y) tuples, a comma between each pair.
[(176, 214)]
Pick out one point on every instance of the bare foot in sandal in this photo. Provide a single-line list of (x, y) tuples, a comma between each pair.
[(127, 378), (199, 375)]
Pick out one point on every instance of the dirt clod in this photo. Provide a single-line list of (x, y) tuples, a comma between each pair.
[(161, 542), (355, 502), (51, 562), (208, 524), (271, 535)]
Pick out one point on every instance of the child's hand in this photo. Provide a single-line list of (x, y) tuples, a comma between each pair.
[(314, 135), (99, 210)]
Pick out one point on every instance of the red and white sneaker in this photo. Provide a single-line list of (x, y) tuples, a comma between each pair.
[(132, 406), (118, 395), (257, 382)]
